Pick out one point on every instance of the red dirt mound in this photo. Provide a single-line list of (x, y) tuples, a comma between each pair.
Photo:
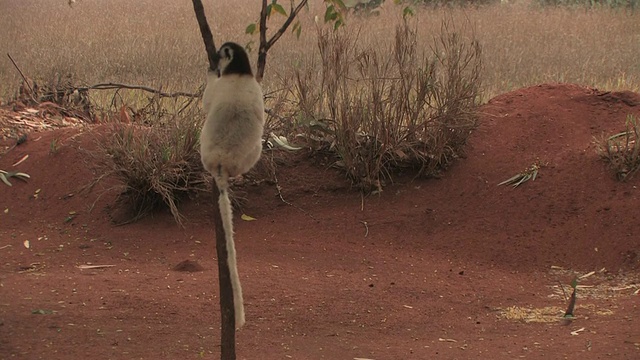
[(453, 268)]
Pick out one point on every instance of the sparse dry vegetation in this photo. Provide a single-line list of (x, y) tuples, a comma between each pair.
[(156, 166), (384, 94), (622, 150), (391, 106)]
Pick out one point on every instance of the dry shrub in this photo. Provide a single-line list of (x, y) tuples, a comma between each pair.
[(622, 151), (384, 109), (156, 165), (59, 91)]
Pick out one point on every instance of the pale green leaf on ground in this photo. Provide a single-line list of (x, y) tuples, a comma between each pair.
[(5, 175), (530, 174), (246, 217), (282, 142)]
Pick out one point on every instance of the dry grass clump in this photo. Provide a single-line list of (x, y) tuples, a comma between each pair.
[(622, 151), (58, 92), (156, 166), (390, 107)]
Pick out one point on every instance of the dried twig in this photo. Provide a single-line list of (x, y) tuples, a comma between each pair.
[(563, 291), (117, 86), (88, 267), (279, 188), (22, 74), (366, 226)]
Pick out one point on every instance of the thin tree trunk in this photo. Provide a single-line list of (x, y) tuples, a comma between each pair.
[(264, 46), (227, 311)]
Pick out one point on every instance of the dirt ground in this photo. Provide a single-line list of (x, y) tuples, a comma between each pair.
[(449, 268)]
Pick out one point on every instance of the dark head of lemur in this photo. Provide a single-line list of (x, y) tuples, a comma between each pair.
[(233, 60)]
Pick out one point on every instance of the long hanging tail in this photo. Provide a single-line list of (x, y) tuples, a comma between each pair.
[(227, 224)]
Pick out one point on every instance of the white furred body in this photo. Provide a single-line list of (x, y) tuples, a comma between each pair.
[(231, 138), (230, 145)]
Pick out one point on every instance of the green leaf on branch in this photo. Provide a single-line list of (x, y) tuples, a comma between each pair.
[(574, 283), (407, 11), (249, 46), (251, 29), (340, 4), (297, 29), (333, 13), (330, 14), (279, 9)]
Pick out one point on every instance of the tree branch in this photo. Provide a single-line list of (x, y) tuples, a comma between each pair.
[(292, 15), (266, 45), (24, 78), (262, 50), (227, 309), (207, 36)]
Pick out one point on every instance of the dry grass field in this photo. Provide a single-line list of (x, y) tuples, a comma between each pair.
[(157, 43)]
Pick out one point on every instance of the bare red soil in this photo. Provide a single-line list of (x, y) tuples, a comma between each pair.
[(449, 268)]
